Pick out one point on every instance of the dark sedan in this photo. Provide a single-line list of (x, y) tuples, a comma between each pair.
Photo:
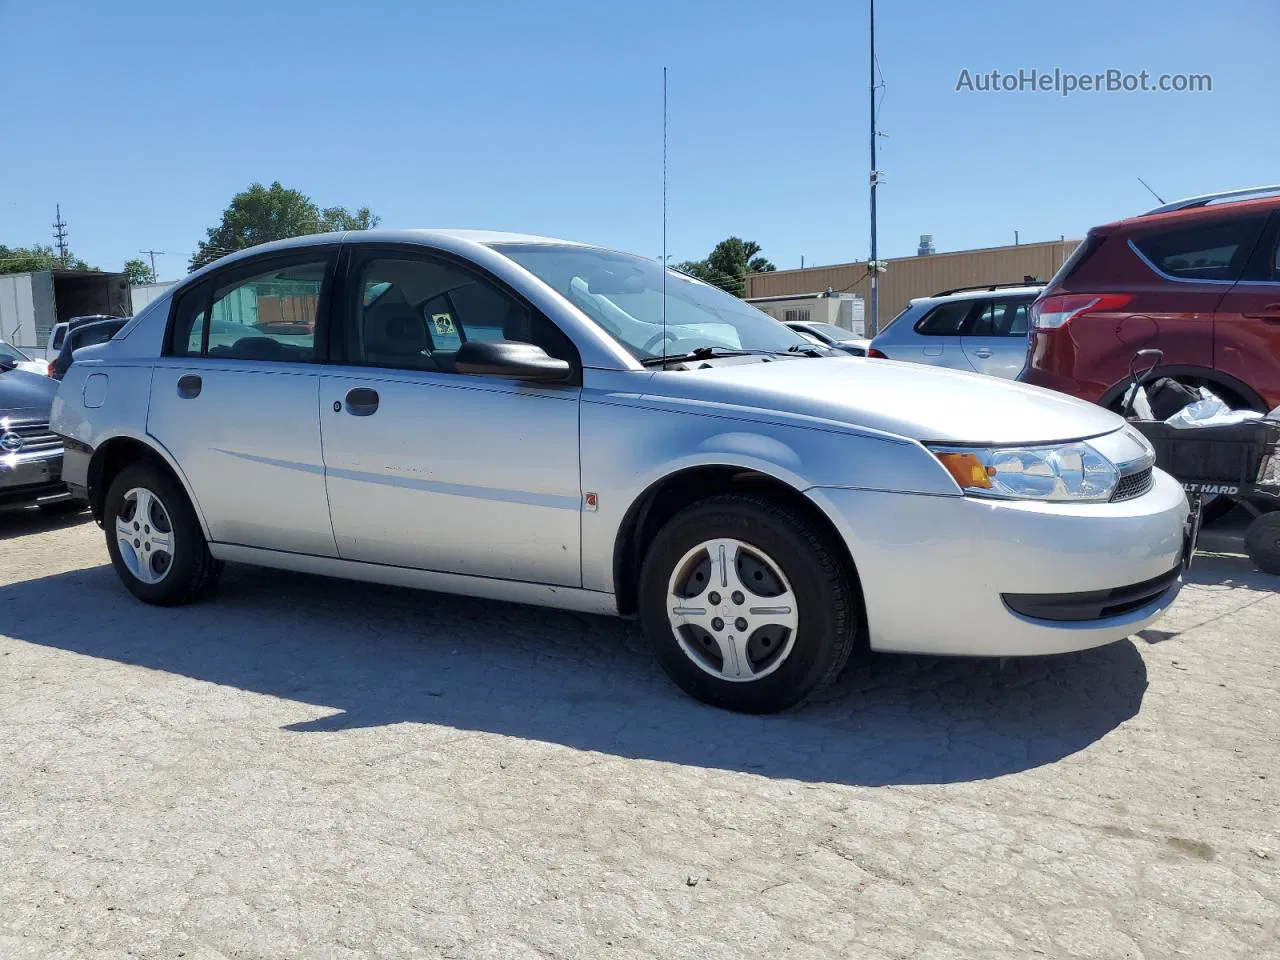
[(30, 455)]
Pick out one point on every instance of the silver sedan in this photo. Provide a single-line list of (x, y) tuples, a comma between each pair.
[(546, 422)]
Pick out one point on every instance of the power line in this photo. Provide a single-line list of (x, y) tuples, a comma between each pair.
[(60, 236), (155, 277)]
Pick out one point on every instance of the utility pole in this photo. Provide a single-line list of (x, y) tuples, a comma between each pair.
[(60, 236), (155, 277), (873, 327)]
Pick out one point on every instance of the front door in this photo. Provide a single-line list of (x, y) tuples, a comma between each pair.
[(995, 336), (236, 397), (1246, 327), (436, 470)]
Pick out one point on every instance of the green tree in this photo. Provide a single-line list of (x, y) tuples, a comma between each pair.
[(261, 214), (139, 271), (728, 264), (37, 257)]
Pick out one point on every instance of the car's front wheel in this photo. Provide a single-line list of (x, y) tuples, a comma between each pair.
[(154, 538), (748, 604)]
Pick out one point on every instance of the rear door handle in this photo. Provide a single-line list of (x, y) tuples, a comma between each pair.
[(189, 386), (982, 352), (1270, 312), (362, 402)]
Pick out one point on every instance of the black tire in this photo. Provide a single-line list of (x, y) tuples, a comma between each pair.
[(192, 572), (1262, 543), (828, 600)]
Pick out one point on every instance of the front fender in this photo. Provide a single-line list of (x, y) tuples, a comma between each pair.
[(627, 448)]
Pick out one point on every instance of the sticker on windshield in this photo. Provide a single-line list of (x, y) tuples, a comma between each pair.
[(443, 323)]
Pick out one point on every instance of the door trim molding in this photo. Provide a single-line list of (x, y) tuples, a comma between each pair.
[(511, 591)]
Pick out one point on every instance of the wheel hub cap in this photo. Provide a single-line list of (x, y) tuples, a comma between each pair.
[(144, 534), (732, 610)]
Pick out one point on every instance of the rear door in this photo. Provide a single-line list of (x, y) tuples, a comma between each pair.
[(995, 336), (235, 399), (1247, 324), (935, 339)]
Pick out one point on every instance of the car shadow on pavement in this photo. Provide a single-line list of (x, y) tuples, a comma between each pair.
[(380, 655), (21, 521)]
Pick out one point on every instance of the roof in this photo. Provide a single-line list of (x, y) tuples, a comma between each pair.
[(1229, 207), (446, 238), (978, 293)]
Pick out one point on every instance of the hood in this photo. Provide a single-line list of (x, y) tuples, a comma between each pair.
[(26, 395), (905, 399)]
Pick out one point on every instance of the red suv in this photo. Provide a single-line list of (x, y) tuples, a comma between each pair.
[(1198, 279)]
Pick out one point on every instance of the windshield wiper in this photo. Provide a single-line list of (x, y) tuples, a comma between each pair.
[(810, 350), (701, 353)]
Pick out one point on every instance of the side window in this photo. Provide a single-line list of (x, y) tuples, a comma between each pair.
[(1001, 318), (415, 313), (59, 335), (1210, 251), (187, 332), (945, 320), (270, 315)]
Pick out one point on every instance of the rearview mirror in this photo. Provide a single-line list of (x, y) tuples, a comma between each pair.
[(508, 358)]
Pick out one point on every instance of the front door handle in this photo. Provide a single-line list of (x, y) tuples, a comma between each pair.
[(189, 386), (1270, 312), (984, 352), (362, 402)]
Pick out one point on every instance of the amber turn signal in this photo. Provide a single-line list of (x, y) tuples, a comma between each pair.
[(967, 469)]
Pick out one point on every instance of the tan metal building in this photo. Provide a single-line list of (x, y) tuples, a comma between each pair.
[(908, 277)]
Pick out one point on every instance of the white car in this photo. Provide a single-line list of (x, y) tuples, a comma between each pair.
[(23, 361), (528, 419), (978, 329)]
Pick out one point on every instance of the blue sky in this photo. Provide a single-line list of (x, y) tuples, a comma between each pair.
[(143, 118)]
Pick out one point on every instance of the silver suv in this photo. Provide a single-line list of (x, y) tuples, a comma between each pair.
[(532, 420), (982, 329)]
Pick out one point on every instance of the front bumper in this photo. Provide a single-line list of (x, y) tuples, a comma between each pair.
[(35, 478), (936, 572)]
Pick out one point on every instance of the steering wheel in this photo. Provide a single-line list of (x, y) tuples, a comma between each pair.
[(656, 339)]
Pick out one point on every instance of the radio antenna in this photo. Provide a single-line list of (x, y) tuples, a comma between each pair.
[(664, 209), (1150, 191)]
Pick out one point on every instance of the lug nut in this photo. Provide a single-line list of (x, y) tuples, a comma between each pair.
[(713, 598), (717, 623), (738, 598), (741, 623)]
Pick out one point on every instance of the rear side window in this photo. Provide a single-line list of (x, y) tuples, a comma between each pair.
[(1001, 318), (1207, 251), (59, 335), (945, 320)]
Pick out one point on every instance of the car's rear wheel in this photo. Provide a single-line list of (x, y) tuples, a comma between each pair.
[(154, 538), (747, 604)]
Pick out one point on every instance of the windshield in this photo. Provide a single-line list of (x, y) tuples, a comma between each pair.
[(10, 352), (623, 294), (830, 330)]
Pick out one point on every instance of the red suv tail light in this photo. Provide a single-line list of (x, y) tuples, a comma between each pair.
[(873, 352), (1053, 312)]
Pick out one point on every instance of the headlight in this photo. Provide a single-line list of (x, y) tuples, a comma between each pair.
[(1070, 471)]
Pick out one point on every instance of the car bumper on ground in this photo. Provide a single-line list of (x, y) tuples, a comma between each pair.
[(31, 479), (972, 577)]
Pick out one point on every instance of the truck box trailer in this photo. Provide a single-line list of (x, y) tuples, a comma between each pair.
[(31, 303)]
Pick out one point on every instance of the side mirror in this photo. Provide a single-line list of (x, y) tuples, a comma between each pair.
[(7, 364), (507, 358)]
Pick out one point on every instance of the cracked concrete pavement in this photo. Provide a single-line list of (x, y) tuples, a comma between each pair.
[(304, 768)]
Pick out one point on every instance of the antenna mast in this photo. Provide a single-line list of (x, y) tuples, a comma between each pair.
[(1150, 191), (664, 209), (874, 325)]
